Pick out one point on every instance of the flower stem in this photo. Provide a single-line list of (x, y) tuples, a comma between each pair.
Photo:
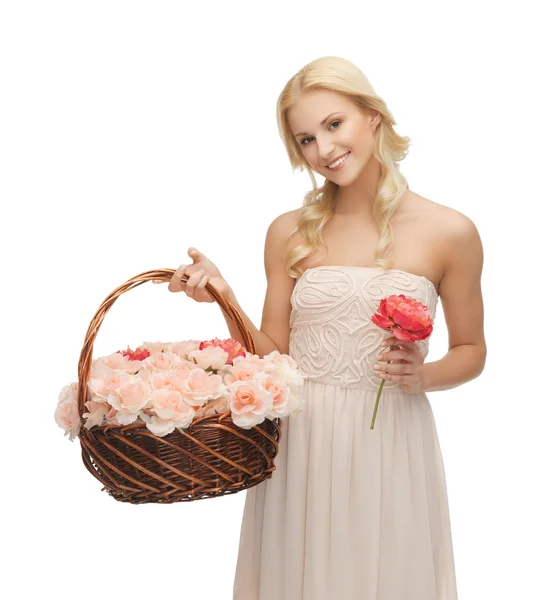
[(377, 403), (378, 396)]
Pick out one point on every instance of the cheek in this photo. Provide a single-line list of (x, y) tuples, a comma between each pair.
[(309, 157), (366, 141)]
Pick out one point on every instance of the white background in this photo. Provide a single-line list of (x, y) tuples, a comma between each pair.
[(131, 131)]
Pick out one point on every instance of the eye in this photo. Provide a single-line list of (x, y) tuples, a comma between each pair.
[(308, 138)]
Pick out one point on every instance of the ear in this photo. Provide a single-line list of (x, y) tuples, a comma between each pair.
[(375, 121)]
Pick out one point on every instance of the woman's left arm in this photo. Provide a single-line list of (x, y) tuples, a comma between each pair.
[(462, 301)]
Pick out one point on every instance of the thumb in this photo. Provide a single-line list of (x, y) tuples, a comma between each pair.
[(195, 254)]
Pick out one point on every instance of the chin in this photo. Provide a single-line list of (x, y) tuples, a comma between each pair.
[(345, 180)]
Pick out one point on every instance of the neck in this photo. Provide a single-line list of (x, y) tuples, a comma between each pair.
[(357, 199)]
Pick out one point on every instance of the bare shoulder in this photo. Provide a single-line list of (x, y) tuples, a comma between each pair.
[(278, 240), (450, 220), (287, 220), (283, 226), (452, 230), (460, 290), (458, 234), (277, 307)]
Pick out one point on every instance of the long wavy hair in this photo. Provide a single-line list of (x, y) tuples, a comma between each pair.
[(340, 75)]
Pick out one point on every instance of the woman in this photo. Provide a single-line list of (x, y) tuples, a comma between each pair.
[(354, 513)]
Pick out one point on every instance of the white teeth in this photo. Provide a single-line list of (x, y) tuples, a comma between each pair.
[(338, 162)]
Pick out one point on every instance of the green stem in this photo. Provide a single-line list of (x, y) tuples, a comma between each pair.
[(378, 396), (377, 403)]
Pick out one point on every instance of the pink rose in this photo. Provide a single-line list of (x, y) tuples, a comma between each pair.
[(250, 403), (144, 374), (111, 416), (212, 357), (182, 349), (217, 407), (182, 371), (252, 359), (162, 361), (130, 398), (154, 347), (279, 392), (285, 369), (232, 347), (169, 380), (244, 369), (170, 406), (99, 368), (201, 386), (277, 358), (120, 362), (123, 417), (67, 411), (104, 384), (159, 427), (97, 411)]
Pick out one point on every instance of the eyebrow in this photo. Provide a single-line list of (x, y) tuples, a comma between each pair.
[(322, 123)]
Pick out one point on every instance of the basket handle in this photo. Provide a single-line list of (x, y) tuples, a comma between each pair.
[(85, 360)]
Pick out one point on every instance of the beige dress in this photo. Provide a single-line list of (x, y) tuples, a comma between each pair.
[(350, 513)]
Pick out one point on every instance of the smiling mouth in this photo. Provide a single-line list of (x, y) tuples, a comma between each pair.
[(340, 161)]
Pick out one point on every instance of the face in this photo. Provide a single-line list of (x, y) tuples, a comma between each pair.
[(328, 126)]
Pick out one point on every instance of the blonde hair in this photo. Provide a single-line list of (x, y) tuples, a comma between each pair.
[(339, 75)]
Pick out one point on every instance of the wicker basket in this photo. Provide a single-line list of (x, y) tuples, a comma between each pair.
[(212, 457)]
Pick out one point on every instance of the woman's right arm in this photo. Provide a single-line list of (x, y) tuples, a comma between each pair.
[(275, 330)]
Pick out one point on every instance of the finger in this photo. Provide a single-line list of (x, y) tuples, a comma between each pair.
[(192, 282), (407, 345), (409, 351), (182, 268), (181, 271), (176, 284), (406, 380), (196, 255), (398, 369), (400, 377), (397, 355), (203, 281), (390, 377), (395, 340), (398, 344), (201, 285)]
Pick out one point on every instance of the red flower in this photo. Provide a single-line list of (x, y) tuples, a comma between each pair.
[(232, 347), (138, 354), (407, 319)]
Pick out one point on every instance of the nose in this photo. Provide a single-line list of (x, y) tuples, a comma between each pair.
[(325, 149)]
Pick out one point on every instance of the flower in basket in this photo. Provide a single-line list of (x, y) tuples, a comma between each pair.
[(67, 411), (169, 385), (407, 319)]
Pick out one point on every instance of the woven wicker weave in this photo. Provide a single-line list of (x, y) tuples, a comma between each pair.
[(212, 457)]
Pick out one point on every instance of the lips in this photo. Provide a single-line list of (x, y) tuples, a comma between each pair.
[(336, 159)]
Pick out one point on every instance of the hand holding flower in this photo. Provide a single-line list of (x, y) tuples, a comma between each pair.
[(404, 363), (409, 321)]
